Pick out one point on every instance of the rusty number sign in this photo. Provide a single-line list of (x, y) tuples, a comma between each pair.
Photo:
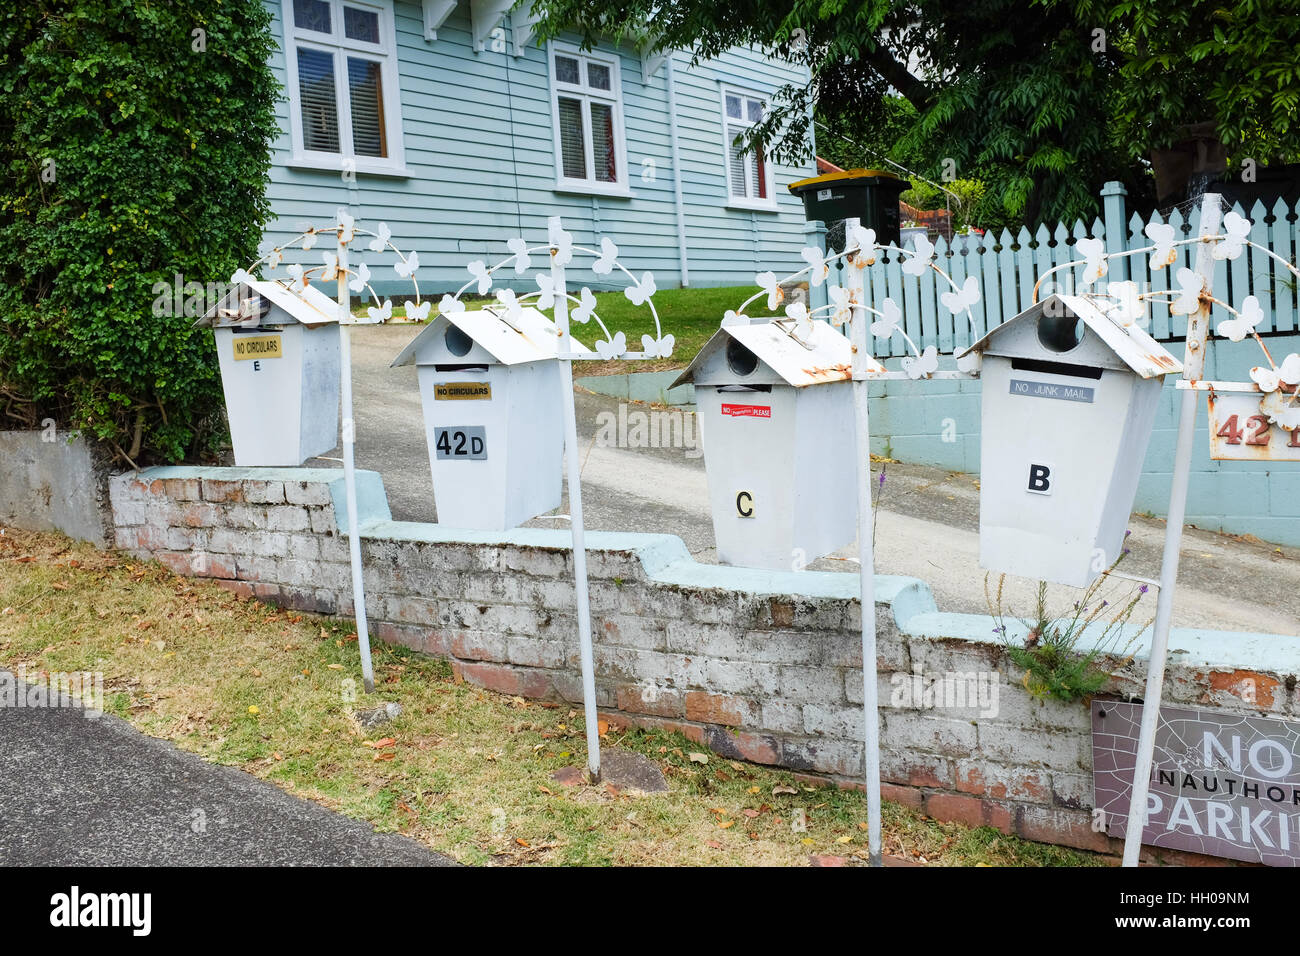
[(1238, 432)]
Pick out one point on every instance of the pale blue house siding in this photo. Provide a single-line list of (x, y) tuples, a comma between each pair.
[(478, 140)]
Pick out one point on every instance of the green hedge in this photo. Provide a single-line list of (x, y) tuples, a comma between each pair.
[(135, 144)]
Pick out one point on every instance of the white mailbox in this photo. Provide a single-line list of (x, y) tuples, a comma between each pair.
[(780, 452), (490, 388), (1069, 398), (279, 355)]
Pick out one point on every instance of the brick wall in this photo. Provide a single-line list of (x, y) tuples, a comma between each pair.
[(760, 666)]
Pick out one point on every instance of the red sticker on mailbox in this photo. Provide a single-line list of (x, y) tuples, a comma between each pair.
[(747, 411)]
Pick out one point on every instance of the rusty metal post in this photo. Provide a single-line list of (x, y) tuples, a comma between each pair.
[(349, 467), (866, 556), (1198, 328), (573, 457)]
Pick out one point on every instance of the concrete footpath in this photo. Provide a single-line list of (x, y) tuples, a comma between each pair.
[(928, 524), (92, 791)]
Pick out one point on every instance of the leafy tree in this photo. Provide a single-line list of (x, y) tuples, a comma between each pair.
[(1024, 95), (134, 146)]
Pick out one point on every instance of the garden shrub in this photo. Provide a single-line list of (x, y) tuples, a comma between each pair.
[(135, 145)]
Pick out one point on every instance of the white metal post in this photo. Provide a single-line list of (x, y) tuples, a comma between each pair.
[(573, 457), (1193, 369), (866, 554), (349, 468)]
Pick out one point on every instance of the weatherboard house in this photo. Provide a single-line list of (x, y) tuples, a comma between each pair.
[(451, 124)]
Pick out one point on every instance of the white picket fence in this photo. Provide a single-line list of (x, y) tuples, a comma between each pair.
[(1007, 267)]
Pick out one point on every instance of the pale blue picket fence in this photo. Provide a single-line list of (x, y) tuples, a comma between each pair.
[(1007, 267)]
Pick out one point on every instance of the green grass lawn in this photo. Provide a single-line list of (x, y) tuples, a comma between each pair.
[(689, 315)]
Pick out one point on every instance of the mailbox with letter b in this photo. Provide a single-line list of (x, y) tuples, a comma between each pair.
[(776, 416), (490, 387), (279, 352), (1069, 399)]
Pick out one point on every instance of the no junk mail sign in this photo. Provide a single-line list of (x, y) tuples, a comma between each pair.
[(1221, 785)]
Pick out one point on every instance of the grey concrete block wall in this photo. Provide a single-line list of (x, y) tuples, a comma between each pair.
[(51, 480), (760, 666)]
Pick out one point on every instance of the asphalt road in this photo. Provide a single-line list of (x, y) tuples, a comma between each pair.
[(83, 791), (928, 524)]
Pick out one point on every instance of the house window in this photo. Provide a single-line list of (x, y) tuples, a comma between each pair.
[(587, 110), (749, 175), (342, 65)]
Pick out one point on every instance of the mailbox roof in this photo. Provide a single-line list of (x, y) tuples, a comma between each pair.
[(310, 306), (828, 360), (532, 338), (1130, 344)]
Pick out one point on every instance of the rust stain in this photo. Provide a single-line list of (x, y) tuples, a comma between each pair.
[(831, 373)]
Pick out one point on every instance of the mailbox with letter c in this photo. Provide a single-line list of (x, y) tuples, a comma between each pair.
[(490, 387), (780, 454), (278, 348), (1069, 400)]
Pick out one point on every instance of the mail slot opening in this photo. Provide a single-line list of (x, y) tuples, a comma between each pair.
[(1060, 333), (740, 359), (1056, 368), (458, 343), (745, 388)]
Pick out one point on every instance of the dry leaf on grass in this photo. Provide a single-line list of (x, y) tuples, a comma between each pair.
[(781, 788), (697, 757)]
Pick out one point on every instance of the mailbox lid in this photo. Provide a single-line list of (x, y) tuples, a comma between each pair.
[(529, 337), (1120, 346), (308, 306), (825, 356)]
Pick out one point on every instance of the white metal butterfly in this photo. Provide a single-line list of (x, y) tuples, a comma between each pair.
[(273, 256), (547, 286), (775, 294), (841, 304), (406, 267), (613, 348), (358, 281), (1190, 285), (297, 275), (1281, 410), (523, 261), (1249, 316), (604, 263), (508, 298), (418, 313), (382, 235), (959, 300), (331, 271), (640, 291), (923, 365), (1094, 252), (381, 314), (817, 261), (917, 264), (1269, 380), (449, 303), (732, 317), (1237, 228), (803, 323), (1127, 307), (663, 348), (586, 306), (479, 270), (887, 324), (864, 242), (347, 226), (1162, 234), (970, 362), (309, 239)]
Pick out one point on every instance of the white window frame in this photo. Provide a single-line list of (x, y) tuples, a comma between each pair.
[(394, 164), (746, 201), (584, 93)]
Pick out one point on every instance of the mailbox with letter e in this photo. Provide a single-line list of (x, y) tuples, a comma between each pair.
[(278, 348), (775, 412), (1069, 400), (490, 388)]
